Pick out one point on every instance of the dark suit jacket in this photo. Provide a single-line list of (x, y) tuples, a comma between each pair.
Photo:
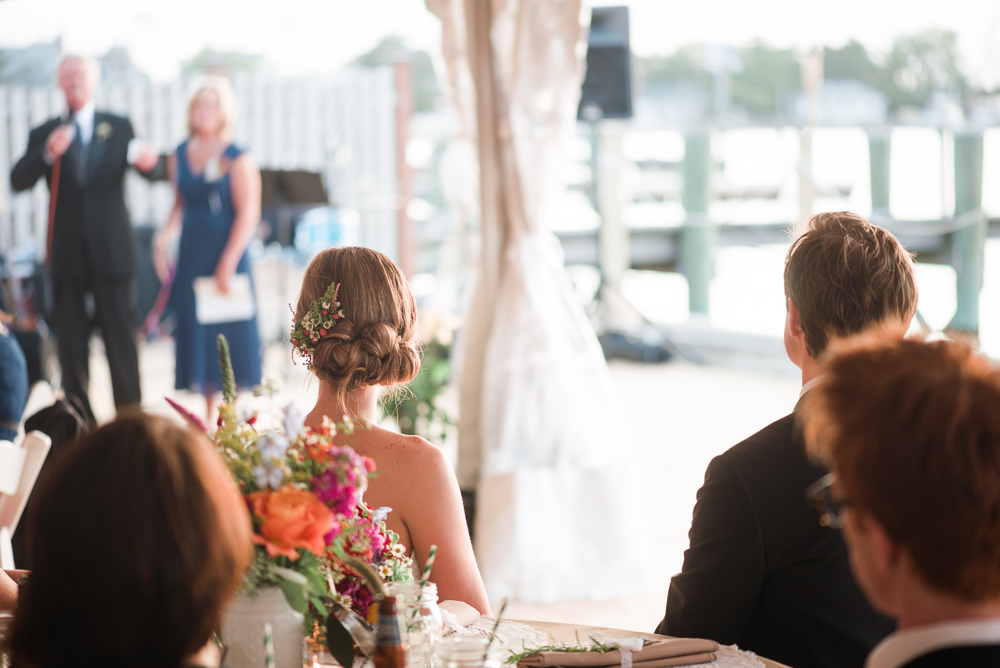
[(975, 656), (92, 235), (761, 572)]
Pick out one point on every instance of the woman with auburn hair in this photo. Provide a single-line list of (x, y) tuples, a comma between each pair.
[(139, 539), (356, 325), (216, 211)]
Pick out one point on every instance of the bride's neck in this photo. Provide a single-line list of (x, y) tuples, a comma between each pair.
[(360, 404)]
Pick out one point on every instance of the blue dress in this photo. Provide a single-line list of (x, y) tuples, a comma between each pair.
[(208, 220)]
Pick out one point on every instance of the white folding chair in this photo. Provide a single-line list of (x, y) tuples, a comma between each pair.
[(19, 467)]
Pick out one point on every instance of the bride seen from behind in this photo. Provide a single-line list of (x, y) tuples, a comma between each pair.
[(373, 345)]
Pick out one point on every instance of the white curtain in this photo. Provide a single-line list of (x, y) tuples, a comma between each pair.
[(541, 434)]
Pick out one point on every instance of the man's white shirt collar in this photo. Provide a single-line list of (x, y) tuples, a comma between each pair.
[(902, 647), (810, 385), (85, 119)]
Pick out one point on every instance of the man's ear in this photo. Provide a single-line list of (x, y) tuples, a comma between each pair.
[(794, 319)]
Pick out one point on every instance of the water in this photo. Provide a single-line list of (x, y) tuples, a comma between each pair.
[(747, 292)]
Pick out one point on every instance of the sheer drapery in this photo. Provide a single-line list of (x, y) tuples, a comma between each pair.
[(540, 430)]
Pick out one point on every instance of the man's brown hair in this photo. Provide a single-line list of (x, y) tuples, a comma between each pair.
[(912, 432), (845, 276), (139, 538)]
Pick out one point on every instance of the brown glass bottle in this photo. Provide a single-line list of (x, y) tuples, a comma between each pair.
[(390, 652)]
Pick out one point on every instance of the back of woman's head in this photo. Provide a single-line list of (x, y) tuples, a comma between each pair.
[(138, 540), (375, 342)]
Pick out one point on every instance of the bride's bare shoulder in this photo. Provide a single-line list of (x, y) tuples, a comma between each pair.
[(401, 452)]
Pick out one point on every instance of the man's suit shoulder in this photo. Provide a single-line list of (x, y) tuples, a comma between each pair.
[(775, 440), (773, 465)]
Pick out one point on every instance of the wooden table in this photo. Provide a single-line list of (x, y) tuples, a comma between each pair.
[(569, 633)]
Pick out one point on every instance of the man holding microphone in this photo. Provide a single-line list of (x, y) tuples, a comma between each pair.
[(90, 253)]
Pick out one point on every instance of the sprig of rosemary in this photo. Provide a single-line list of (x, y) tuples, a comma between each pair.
[(570, 649)]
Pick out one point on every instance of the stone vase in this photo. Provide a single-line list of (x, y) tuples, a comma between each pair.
[(243, 634)]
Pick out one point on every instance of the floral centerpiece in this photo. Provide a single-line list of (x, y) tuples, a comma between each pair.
[(314, 536)]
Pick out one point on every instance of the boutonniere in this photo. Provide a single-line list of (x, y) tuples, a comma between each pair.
[(103, 130)]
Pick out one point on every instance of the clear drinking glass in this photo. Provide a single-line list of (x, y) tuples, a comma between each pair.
[(420, 622), (6, 621), (466, 653)]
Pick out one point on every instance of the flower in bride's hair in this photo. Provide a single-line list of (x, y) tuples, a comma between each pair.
[(292, 518)]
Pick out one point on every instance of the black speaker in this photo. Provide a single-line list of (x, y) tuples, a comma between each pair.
[(607, 88)]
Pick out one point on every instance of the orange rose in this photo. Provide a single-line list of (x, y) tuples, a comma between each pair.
[(292, 518)]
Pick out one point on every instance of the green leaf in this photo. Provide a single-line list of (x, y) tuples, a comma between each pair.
[(295, 594), (226, 366), (290, 575), (339, 641)]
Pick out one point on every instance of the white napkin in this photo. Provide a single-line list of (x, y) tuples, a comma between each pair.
[(457, 615)]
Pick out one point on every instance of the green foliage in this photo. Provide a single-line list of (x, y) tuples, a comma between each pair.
[(339, 641), (221, 62), (259, 575), (685, 63), (417, 408), (579, 648), (226, 366), (920, 64), (768, 75), (852, 61), (393, 49), (915, 68)]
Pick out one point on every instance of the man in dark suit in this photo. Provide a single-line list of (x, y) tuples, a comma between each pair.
[(911, 431), (760, 571), (91, 243)]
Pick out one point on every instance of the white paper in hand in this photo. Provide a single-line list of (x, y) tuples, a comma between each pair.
[(212, 306)]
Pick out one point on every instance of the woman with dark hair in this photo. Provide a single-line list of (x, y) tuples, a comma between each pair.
[(139, 540)]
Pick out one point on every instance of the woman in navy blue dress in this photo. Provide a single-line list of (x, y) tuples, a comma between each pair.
[(216, 210)]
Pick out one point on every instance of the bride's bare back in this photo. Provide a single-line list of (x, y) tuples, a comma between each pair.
[(365, 341), (416, 480)]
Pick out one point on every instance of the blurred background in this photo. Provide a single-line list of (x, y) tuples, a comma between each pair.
[(732, 122)]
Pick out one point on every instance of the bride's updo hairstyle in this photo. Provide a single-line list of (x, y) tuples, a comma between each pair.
[(375, 342)]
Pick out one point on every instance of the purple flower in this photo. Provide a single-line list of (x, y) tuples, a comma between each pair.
[(294, 421), (272, 445), (268, 476)]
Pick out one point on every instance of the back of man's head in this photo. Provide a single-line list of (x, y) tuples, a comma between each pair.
[(912, 432), (846, 276)]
